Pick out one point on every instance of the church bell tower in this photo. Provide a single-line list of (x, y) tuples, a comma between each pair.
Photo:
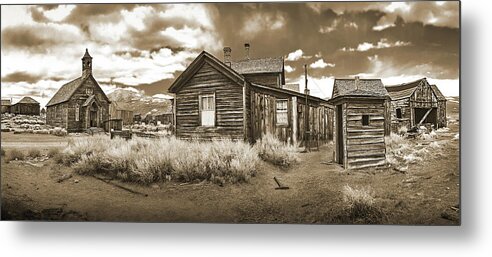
[(86, 64)]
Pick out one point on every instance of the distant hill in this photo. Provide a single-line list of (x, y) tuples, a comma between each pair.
[(131, 99)]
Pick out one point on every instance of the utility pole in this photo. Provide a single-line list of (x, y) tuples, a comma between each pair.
[(307, 140)]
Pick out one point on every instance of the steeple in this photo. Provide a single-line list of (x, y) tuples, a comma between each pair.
[(86, 64)]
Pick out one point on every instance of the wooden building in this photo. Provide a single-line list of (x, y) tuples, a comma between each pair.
[(137, 118), (416, 103), (79, 104), (362, 118), (165, 118), (5, 105), (116, 112), (26, 106), (213, 100)]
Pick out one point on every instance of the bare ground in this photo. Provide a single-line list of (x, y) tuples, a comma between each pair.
[(428, 193)]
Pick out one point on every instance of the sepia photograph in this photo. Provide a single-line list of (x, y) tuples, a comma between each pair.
[(258, 113)]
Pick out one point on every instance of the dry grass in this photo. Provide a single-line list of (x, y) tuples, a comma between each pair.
[(146, 161), (34, 153), (53, 152), (361, 207), (13, 155), (272, 150)]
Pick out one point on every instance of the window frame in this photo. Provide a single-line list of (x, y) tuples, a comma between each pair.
[(77, 113), (282, 111), (398, 111), (365, 120), (200, 109)]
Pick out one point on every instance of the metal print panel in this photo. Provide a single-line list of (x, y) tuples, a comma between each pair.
[(308, 113)]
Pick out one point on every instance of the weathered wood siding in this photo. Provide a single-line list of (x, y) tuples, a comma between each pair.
[(363, 145), (56, 115), (264, 121), (267, 79), (423, 97), (64, 114), (228, 106), (25, 109)]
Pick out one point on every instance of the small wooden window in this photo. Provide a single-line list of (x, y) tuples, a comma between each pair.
[(398, 113), (89, 91), (282, 116), (77, 113), (207, 110), (365, 120)]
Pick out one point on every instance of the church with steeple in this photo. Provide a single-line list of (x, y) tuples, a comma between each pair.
[(79, 104)]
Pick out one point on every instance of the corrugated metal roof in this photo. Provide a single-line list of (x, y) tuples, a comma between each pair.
[(364, 87), (263, 65)]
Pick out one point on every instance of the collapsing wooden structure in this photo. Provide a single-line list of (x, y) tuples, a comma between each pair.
[(417, 103), (213, 101), (362, 118)]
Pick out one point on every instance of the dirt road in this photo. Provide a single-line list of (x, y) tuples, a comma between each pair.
[(314, 196)]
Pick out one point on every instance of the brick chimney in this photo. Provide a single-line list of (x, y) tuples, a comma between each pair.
[(246, 51), (227, 55)]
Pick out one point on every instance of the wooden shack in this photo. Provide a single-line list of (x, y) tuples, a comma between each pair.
[(362, 118), (417, 103), (5, 105), (214, 101), (26, 106), (117, 112), (79, 104)]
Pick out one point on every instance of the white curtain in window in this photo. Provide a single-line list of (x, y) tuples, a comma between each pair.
[(208, 111)]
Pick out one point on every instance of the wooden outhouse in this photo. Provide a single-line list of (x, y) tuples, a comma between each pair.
[(214, 101), (79, 104), (417, 103), (362, 120)]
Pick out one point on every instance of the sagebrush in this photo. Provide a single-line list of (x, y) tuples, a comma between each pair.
[(272, 150), (14, 155), (361, 207), (152, 160)]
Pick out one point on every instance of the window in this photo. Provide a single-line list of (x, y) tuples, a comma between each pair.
[(207, 110), (398, 113), (77, 113), (282, 117), (89, 91), (365, 120)]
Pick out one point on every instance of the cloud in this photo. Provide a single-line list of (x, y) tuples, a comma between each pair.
[(146, 46), (260, 22), (294, 56), (289, 69), (383, 43), (320, 64)]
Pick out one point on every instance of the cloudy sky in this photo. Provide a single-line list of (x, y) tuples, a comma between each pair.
[(146, 46)]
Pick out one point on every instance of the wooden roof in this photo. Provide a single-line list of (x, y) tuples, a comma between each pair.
[(6, 102), (261, 65), (228, 71), (363, 87), (197, 64), (67, 90), (406, 90), (27, 100), (438, 93)]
